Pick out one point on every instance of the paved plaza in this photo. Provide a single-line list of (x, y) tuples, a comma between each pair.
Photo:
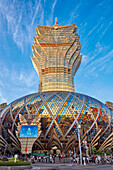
[(49, 166), (69, 167)]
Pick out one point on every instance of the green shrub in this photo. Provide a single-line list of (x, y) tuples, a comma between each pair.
[(12, 163)]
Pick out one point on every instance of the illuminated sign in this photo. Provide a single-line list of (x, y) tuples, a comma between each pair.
[(28, 130)]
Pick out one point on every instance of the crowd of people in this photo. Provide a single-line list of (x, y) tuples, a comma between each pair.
[(67, 158), (52, 158), (73, 159)]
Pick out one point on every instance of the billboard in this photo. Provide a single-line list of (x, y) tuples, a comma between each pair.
[(28, 130)]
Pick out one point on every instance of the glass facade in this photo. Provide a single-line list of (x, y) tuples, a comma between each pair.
[(56, 58), (59, 110)]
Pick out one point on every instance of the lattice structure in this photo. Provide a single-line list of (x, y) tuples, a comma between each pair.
[(60, 111)]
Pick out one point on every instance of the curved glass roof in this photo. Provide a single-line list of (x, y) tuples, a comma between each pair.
[(61, 110)]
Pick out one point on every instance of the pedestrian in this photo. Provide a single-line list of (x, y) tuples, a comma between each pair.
[(39, 158), (59, 158), (51, 160), (77, 160)]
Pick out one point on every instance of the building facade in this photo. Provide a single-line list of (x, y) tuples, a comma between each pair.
[(2, 106), (56, 109), (56, 57), (109, 105)]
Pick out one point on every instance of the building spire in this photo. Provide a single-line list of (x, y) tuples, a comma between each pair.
[(56, 21)]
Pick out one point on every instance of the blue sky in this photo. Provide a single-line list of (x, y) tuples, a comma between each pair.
[(94, 20)]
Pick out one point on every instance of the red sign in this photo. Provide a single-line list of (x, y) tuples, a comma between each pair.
[(25, 149), (72, 107)]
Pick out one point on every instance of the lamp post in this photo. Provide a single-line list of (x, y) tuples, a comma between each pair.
[(79, 127)]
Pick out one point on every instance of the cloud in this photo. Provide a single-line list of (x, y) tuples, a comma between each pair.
[(36, 11), (2, 99), (18, 38), (104, 64), (53, 6), (23, 78), (82, 26), (92, 30), (16, 83), (41, 21), (74, 14), (106, 29), (100, 47), (85, 59), (101, 3), (49, 21), (15, 14), (100, 28), (13, 18), (98, 60)]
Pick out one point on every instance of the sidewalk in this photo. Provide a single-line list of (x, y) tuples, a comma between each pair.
[(48, 166), (15, 167), (69, 164)]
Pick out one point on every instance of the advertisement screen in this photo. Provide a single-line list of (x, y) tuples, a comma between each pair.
[(28, 130)]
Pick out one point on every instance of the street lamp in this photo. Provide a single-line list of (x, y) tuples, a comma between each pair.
[(79, 127)]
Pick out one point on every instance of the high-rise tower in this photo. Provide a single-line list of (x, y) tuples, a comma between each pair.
[(55, 114), (56, 56)]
